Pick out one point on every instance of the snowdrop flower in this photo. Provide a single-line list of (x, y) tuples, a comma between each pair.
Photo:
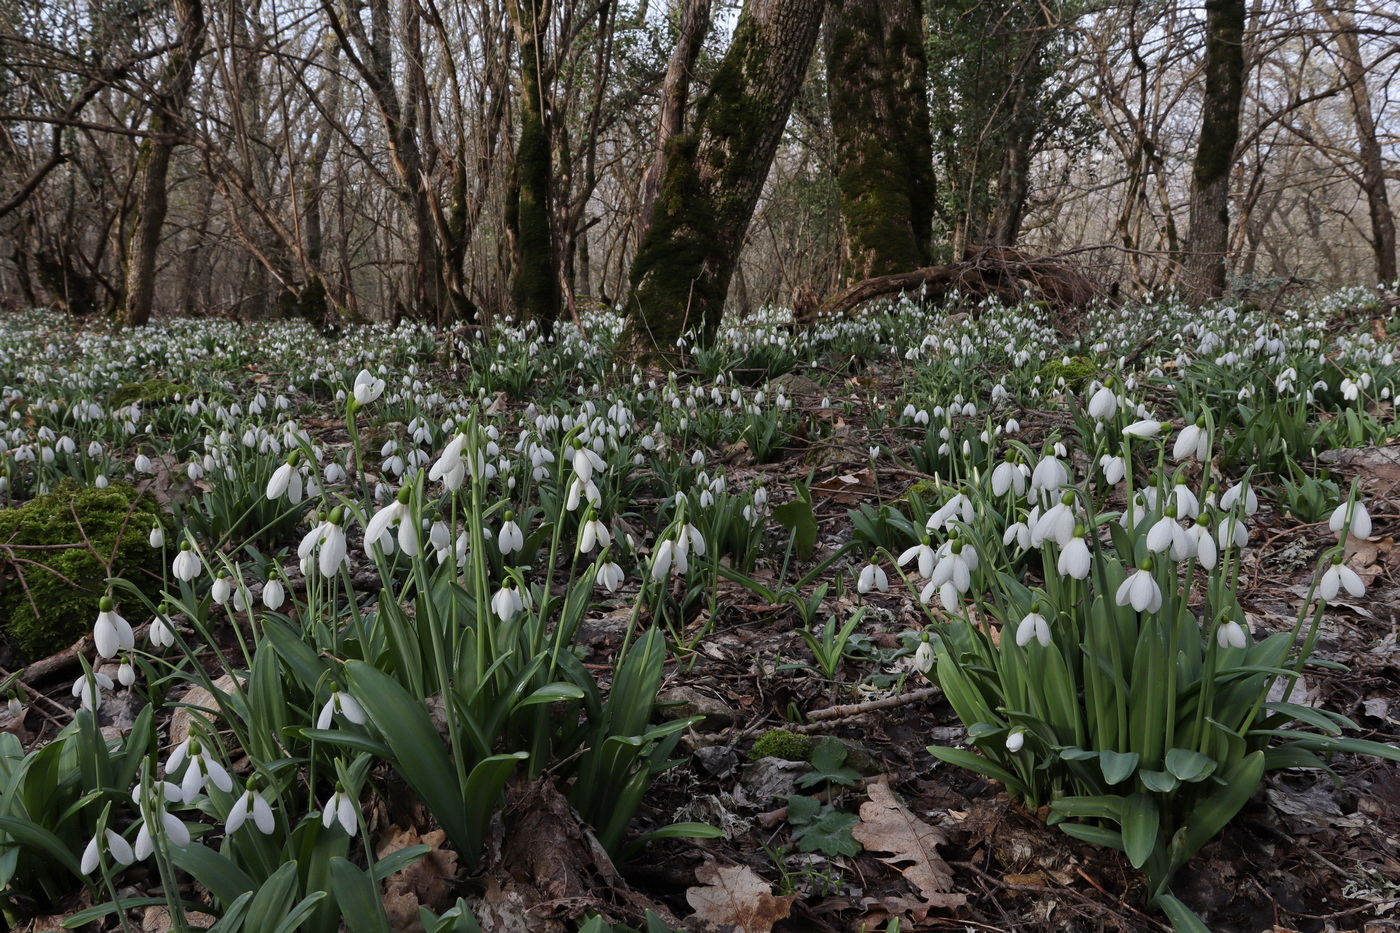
[(14, 706), (1075, 557), (1338, 577), (342, 703), (221, 589), (924, 554), (872, 577), (340, 808), (958, 507), (1103, 404), (1056, 525), (157, 537), (1033, 626), (507, 602), (1360, 524), (161, 632), (510, 539), (203, 770), (594, 533), (111, 843), (143, 464), (332, 543), (662, 559), (367, 387), (1232, 495), (1145, 429), (395, 513), (1019, 533), (153, 811), (610, 575), (1049, 475), (186, 566), (89, 689), (923, 656), (111, 633), (1140, 590), (1187, 505), (1166, 534), (1232, 531), (1009, 476), (1205, 545), (273, 594), (1114, 469), (126, 674), (1015, 740), (1193, 443), (250, 804), (286, 480), (1231, 635), (956, 564)]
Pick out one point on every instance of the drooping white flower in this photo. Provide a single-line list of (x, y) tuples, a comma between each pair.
[(1232, 531), (1049, 475), (510, 539), (203, 769), (113, 844), (925, 555), (126, 674), (1140, 591), (1015, 740), (274, 594), (610, 576), (1009, 476), (251, 803), (340, 808), (1075, 557), (1114, 469), (873, 577), (89, 690), (157, 536), (1360, 525), (593, 534), (1231, 635), (1187, 505), (286, 480), (368, 387), (1206, 552), (923, 656), (1338, 577), (342, 703), (507, 602), (1145, 429), (221, 589), (1192, 443), (1233, 494), (661, 560), (111, 633), (186, 566), (1056, 525), (1103, 404), (1033, 626)]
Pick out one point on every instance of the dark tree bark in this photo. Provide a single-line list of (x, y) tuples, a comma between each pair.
[(877, 75), (1209, 238), (147, 215), (715, 173), (1022, 131), (536, 287)]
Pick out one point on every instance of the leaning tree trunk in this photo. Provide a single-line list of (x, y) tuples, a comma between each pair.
[(715, 172), (1342, 22), (877, 72), (153, 165), (1208, 240)]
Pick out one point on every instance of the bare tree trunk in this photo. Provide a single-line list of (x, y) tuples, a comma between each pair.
[(675, 94), (153, 165), (1209, 238), (1342, 22), (715, 172), (877, 75)]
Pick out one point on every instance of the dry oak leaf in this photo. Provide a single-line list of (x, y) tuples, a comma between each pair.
[(736, 899), (888, 826)]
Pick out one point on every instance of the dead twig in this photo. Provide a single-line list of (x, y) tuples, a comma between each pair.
[(824, 718)]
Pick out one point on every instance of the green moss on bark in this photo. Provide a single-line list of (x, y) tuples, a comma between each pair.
[(53, 579)]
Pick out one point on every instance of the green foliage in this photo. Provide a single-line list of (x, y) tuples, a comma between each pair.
[(152, 390), (59, 548), (819, 827), (828, 766), (781, 743), (798, 518), (1076, 372)]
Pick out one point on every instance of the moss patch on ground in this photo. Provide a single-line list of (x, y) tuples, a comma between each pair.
[(53, 579), (152, 390)]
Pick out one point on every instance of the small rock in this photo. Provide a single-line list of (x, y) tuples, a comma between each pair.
[(181, 719), (691, 702)]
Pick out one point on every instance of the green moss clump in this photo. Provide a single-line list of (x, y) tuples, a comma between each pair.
[(152, 390), (48, 567), (781, 743), (1076, 374)]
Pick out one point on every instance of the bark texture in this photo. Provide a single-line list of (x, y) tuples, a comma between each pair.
[(715, 172), (148, 209), (877, 78), (1208, 240)]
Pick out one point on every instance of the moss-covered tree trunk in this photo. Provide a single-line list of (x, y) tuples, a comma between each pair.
[(1208, 240), (536, 287), (715, 172), (150, 201), (877, 75)]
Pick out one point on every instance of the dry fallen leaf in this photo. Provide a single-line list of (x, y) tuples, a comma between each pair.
[(736, 899), (429, 882), (888, 826)]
